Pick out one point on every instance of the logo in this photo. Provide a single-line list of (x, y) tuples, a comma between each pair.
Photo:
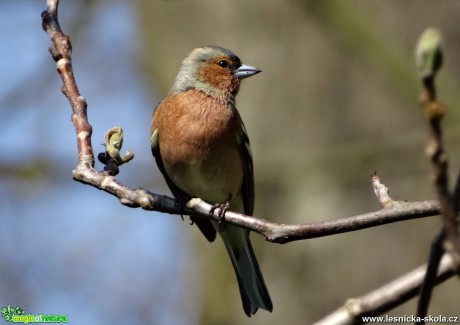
[(18, 315)]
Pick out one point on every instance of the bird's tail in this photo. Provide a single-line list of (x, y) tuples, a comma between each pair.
[(254, 293)]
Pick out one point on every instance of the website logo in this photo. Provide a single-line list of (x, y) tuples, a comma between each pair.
[(18, 315)]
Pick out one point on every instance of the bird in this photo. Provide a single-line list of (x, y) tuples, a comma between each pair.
[(202, 148)]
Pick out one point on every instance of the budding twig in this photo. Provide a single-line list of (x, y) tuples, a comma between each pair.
[(428, 61)]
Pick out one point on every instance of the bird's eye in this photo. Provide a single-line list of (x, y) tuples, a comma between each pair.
[(223, 63)]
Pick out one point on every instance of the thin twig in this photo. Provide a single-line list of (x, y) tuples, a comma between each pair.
[(429, 60), (429, 281)]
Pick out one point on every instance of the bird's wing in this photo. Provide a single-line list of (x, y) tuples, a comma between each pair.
[(247, 188)]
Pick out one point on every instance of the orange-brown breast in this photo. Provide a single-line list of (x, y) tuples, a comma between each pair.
[(199, 145)]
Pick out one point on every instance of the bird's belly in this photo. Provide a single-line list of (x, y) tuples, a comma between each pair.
[(215, 176)]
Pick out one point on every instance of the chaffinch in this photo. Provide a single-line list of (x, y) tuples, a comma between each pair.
[(201, 147)]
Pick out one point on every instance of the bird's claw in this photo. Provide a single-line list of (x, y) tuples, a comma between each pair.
[(223, 208), (181, 203)]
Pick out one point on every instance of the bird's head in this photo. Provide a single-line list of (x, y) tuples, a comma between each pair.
[(213, 70)]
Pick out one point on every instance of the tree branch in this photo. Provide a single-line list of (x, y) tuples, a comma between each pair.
[(387, 297), (429, 281), (281, 233), (429, 60)]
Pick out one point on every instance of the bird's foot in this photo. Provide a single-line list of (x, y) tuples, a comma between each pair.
[(181, 203), (223, 208)]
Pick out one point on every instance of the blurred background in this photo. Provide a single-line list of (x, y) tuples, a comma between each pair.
[(337, 100)]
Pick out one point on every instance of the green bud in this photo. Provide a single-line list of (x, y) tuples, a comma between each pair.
[(113, 144), (428, 54)]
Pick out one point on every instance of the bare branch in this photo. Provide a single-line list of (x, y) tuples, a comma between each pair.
[(436, 253), (281, 233), (429, 60), (387, 297)]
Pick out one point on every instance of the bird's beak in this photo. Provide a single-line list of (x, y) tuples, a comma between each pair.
[(245, 71)]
